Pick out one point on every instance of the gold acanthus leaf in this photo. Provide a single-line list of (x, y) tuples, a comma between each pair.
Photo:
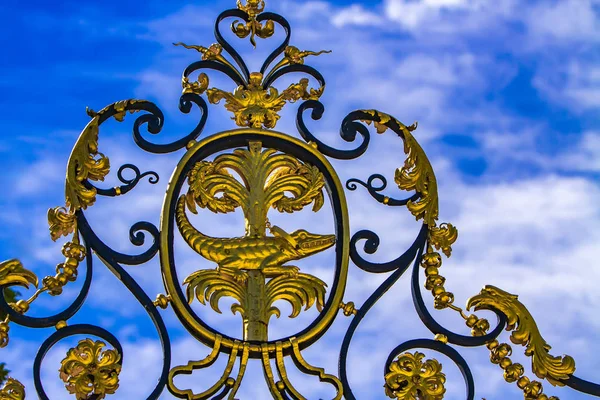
[(416, 173), (12, 272), (61, 222), (213, 52), (197, 87), (210, 285), (85, 163), (293, 55), (269, 179), (214, 188), (12, 390), (443, 237), (305, 183), (303, 290), (525, 332)]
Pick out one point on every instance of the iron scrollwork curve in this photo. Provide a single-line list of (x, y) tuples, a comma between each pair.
[(86, 165), (255, 105)]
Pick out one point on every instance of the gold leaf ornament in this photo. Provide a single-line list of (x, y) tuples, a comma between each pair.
[(12, 272), (526, 333), (85, 163), (61, 222), (90, 371), (443, 237), (417, 174)]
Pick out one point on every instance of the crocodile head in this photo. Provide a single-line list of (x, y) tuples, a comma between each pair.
[(309, 243)]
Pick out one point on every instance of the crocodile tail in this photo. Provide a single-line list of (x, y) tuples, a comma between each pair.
[(194, 238)]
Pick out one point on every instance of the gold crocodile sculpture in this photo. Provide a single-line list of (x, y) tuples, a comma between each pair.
[(266, 254)]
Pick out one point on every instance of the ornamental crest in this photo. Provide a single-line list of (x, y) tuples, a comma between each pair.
[(263, 174)]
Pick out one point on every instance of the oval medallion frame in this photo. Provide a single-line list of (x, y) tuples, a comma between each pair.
[(229, 140)]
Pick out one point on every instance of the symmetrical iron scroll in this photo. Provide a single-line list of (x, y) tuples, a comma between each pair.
[(256, 169)]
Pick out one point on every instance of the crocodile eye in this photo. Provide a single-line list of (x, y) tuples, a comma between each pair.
[(302, 235)]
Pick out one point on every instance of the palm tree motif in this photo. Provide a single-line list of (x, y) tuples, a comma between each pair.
[(268, 179)]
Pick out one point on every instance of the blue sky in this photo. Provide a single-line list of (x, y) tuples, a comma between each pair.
[(506, 93)]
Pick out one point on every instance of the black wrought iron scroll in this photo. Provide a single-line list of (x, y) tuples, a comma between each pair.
[(259, 171)]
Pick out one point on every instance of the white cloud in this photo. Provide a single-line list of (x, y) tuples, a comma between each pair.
[(565, 20), (585, 156), (356, 15), (574, 84)]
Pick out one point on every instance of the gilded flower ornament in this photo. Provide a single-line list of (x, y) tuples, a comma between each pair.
[(411, 378), (12, 390), (90, 371)]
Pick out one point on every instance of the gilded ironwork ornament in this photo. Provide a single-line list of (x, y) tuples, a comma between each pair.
[(410, 377), (12, 390), (90, 371), (259, 171)]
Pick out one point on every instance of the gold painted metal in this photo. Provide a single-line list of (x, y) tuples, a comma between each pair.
[(85, 163), (514, 372), (256, 107), (210, 285), (293, 55), (211, 53), (252, 27), (305, 367), (268, 372), (90, 371), (253, 105), (12, 272), (348, 308), (162, 301), (416, 173), (411, 378), (441, 338), (281, 370), (526, 333), (12, 390), (245, 263), (224, 380), (194, 365), (60, 325)]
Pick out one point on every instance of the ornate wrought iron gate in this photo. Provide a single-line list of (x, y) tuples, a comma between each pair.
[(259, 170)]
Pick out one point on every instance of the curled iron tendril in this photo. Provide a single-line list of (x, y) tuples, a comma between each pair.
[(137, 236), (374, 189), (349, 129), (242, 77), (398, 266), (112, 260), (128, 184), (155, 120)]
